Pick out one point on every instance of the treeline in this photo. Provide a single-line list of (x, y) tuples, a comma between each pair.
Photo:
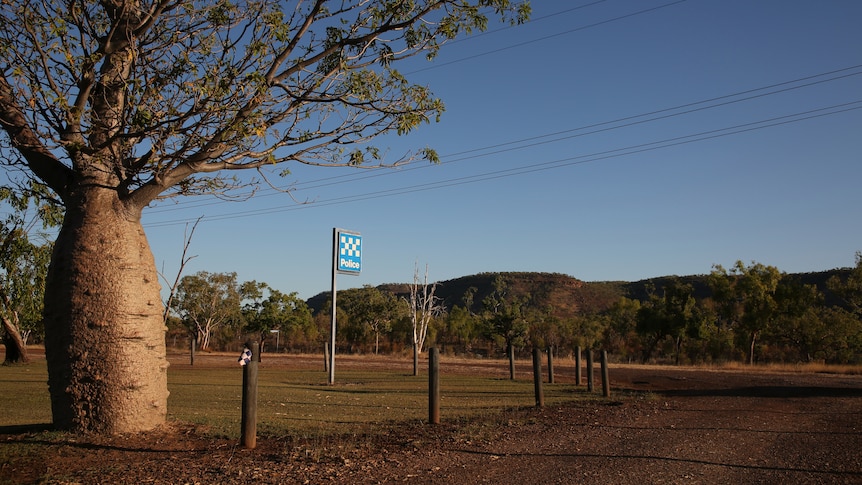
[(743, 313), (752, 313)]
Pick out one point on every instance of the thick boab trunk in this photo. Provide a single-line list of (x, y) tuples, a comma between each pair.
[(104, 333)]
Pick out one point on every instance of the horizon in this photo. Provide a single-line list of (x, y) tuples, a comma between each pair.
[(683, 276)]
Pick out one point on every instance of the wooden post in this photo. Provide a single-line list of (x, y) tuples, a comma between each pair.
[(550, 364), (511, 351), (606, 384), (537, 377), (249, 400), (326, 357), (589, 370), (578, 365), (193, 342), (433, 386)]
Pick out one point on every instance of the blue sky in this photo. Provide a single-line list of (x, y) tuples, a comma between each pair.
[(622, 140)]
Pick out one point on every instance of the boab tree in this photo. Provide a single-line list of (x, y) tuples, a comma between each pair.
[(115, 104)]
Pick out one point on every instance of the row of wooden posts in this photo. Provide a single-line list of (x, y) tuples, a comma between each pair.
[(249, 386), (434, 378)]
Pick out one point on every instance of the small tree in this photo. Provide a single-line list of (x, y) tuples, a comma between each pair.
[(424, 306), (620, 332), (505, 319), (463, 328), (24, 257), (252, 292), (206, 302), (284, 312), (23, 267), (184, 260), (850, 289), (373, 309), (746, 297)]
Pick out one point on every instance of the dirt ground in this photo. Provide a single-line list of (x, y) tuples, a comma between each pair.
[(661, 425)]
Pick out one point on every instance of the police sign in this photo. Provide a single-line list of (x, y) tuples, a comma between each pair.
[(349, 255)]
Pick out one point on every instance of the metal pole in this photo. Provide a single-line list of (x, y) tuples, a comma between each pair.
[(333, 326)]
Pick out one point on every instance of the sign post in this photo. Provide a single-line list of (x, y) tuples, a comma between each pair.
[(346, 259)]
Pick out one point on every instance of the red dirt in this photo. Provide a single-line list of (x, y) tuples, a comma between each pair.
[(662, 425)]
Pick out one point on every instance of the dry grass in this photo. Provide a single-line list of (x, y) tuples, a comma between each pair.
[(297, 400), (24, 394), (301, 402), (802, 367)]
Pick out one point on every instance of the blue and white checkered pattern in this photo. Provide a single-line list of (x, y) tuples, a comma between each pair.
[(350, 246), (349, 253)]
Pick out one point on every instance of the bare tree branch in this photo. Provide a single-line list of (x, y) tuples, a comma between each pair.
[(187, 241)]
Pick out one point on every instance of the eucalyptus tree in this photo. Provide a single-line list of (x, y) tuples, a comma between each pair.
[(30, 214), (207, 302), (373, 310), (846, 321), (114, 105), (849, 289), (504, 314), (462, 329), (620, 333), (745, 296), (285, 313), (23, 268)]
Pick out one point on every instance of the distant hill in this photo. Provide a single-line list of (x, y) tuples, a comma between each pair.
[(565, 295)]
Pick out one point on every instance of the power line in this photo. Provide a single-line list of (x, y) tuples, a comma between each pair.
[(585, 130), (553, 164), (532, 21), (551, 36), (545, 17)]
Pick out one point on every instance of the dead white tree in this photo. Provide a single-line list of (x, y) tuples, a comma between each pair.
[(424, 306)]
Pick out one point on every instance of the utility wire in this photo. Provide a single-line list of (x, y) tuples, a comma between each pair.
[(628, 121), (551, 36), (585, 27), (549, 165), (532, 21)]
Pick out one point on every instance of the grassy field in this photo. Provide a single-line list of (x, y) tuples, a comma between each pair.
[(296, 400)]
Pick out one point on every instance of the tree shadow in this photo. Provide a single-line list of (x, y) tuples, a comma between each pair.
[(671, 459), (44, 434), (26, 428)]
